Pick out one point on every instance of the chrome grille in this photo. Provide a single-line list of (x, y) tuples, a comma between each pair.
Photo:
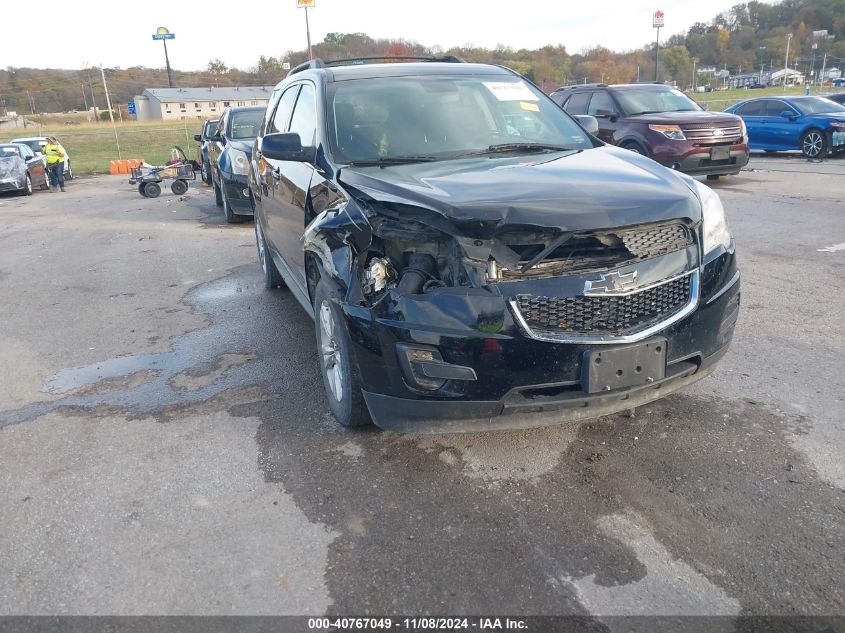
[(713, 134), (606, 315), (658, 240)]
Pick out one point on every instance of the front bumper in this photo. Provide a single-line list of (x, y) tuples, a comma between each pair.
[(520, 382), (236, 190), (694, 159), (11, 186)]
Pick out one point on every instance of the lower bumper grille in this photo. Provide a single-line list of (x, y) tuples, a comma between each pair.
[(632, 315)]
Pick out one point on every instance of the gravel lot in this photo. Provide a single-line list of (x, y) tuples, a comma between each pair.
[(165, 447)]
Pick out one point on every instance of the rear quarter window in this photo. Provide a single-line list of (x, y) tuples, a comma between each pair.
[(577, 103)]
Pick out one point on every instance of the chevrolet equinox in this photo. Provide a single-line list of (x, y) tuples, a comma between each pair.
[(474, 258)]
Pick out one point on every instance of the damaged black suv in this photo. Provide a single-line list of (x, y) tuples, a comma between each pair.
[(474, 258)]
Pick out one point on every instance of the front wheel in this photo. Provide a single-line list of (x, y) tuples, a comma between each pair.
[(272, 277), (218, 195), (634, 147), (69, 173), (813, 144), (340, 377), (179, 187), (206, 172), (231, 217), (27, 187)]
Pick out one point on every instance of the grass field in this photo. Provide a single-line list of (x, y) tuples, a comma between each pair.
[(92, 145)]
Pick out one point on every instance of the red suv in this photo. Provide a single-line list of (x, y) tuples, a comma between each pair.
[(661, 122)]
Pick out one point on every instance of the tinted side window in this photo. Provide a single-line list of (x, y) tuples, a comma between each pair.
[(755, 108), (577, 104), (304, 120), (281, 117), (774, 108), (600, 101), (558, 98)]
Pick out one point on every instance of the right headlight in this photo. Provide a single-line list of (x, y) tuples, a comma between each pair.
[(240, 162), (715, 227)]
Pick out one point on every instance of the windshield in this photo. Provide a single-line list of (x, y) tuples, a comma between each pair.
[(817, 105), (245, 124), (9, 150), (35, 145), (437, 117), (652, 100)]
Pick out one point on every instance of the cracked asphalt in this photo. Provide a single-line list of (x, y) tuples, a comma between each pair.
[(165, 446)]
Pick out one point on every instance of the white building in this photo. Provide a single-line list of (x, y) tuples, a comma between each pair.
[(793, 77), (197, 103)]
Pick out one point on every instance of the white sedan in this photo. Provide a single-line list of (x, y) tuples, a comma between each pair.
[(36, 144)]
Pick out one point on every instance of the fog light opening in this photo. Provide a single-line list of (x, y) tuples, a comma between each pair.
[(424, 368)]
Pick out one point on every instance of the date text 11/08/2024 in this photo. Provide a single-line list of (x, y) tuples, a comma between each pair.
[(417, 624)]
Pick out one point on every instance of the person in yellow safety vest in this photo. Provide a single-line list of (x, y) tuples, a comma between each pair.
[(55, 155)]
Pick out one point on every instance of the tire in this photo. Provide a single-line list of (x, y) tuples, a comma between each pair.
[(713, 176), (635, 147), (69, 174), (179, 187), (340, 375), (152, 189), (218, 195), (141, 189), (206, 172), (27, 187), (272, 277), (231, 217), (814, 143)]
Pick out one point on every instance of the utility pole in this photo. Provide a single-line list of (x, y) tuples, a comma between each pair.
[(824, 65), (308, 35), (91, 86), (786, 59), (85, 97), (694, 62), (111, 114)]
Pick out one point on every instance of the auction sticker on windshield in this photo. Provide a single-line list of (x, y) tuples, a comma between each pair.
[(511, 91)]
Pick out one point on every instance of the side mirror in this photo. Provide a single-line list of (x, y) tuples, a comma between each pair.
[(198, 138), (605, 114), (589, 123), (286, 146), (789, 114)]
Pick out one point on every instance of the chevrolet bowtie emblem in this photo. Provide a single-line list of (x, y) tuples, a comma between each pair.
[(612, 282)]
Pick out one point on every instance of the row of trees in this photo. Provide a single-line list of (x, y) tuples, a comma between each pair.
[(748, 36)]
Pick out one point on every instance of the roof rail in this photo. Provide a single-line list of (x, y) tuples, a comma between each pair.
[(571, 86), (314, 63), (451, 59), (319, 63)]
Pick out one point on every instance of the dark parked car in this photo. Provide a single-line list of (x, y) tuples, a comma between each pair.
[(837, 98), (21, 169), (229, 153), (204, 139), (662, 123), (467, 270), (813, 125)]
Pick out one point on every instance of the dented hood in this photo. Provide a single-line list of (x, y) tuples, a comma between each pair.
[(599, 188)]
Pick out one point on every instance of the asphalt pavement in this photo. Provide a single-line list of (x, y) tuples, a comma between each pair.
[(166, 448)]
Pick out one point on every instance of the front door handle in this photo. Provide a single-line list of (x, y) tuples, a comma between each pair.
[(277, 173)]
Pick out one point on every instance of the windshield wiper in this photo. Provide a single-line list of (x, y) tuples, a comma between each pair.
[(393, 160), (646, 112), (503, 148)]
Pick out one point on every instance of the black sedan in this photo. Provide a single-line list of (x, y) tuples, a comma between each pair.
[(229, 154), (837, 98), (21, 169)]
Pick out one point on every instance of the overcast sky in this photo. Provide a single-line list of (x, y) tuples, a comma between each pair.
[(120, 33)]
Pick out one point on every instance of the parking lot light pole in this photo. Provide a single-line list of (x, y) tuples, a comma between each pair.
[(786, 59), (111, 114), (657, 21), (307, 4)]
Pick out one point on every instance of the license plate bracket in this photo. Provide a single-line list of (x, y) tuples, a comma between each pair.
[(622, 367), (720, 153)]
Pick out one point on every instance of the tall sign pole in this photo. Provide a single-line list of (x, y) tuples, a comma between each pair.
[(163, 34), (307, 4), (657, 21)]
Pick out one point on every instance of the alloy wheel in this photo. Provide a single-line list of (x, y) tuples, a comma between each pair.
[(813, 143), (330, 351)]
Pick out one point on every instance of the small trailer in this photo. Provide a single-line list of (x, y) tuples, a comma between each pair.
[(148, 178)]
